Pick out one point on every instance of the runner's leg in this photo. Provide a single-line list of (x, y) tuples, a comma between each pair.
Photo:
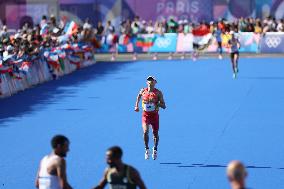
[(146, 135)]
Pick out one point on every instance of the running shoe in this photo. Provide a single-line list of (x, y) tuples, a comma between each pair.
[(234, 75), (147, 154), (220, 57), (236, 70), (154, 154)]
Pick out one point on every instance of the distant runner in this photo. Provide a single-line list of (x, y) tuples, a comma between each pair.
[(152, 99), (234, 46)]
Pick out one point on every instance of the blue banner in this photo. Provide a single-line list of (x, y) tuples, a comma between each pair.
[(272, 43), (165, 43), (249, 42)]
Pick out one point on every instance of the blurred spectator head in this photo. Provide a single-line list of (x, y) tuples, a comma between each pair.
[(4, 28), (10, 49), (171, 19), (236, 174), (44, 17), (52, 19), (136, 18)]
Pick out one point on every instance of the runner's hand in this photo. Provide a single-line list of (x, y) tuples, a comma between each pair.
[(136, 109)]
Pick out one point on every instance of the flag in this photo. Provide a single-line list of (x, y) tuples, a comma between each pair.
[(75, 59), (61, 62), (201, 37), (70, 28), (96, 43), (25, 66), (44, 30), (5, 69), (53, 60), (124, 39), (87, 48), (146, 40), (67, 47)]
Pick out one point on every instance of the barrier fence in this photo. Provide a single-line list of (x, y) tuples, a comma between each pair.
[(269, 42), (40, 71)]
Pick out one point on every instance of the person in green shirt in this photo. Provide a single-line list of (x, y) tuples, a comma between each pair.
[(118, 174)]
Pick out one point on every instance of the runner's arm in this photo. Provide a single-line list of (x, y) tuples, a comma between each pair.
[(136, 178), (138, 100), (61, 172), (239, 44), (37, 177), (161, 102), (103, 181)]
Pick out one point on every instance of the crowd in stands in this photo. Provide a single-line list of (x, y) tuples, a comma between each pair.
[(171, 25), (47, 40), (29, 42)]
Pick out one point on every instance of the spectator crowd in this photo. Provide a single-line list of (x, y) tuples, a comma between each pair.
[(20, 49)]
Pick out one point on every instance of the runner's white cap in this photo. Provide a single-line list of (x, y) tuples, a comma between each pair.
[(151, 78)]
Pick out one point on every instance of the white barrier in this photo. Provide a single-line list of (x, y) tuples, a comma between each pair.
[(39, 72)]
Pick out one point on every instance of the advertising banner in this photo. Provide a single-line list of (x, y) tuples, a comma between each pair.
[(181, 9), (184, 42), (17, 15), (249, 42), (272, 43), (164, 43)]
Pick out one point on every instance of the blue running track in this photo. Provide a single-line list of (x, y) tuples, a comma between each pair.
[(210, 119)]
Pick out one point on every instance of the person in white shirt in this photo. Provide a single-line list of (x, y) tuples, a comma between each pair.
[(52, 169)]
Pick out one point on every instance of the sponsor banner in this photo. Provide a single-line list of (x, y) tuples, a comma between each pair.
[(184, 42), (249, 41), (164, 43), (194, 10), (172, 42), (250, 8), (18, 14), (272, 43)]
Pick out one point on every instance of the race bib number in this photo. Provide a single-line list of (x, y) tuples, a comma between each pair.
[(149, 107), (44, 183)]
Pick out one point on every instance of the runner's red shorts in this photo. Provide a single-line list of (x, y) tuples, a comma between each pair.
[(151, 118)]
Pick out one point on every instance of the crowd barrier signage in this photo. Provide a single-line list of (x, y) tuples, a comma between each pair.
[(184, 42), (249, 42), (164, 43), (272, 43), (173, 42)]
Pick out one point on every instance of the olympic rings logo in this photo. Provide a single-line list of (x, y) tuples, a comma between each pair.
[(163, 42), (273, 42)]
